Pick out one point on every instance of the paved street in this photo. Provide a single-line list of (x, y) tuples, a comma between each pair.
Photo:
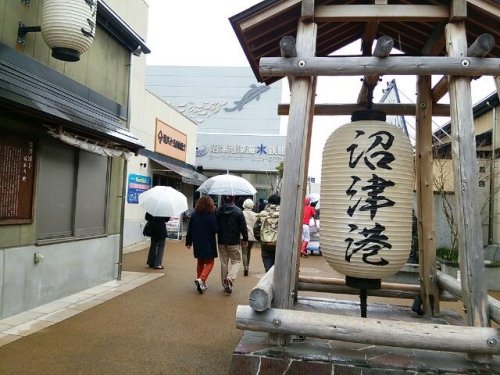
[(155, 323), (161, 327)]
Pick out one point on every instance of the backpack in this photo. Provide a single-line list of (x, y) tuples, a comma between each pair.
[(269, 228)]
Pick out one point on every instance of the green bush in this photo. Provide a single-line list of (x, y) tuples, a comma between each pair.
[(446, 253)]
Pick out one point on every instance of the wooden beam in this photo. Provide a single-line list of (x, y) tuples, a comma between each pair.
[(452, 285), (370, 32), (307, 11), (287, 49), (385, 293), (397, 65), (287, 46), (425, 197), (458, 10), (262, 295), (368, 37), (486, 7), (468, 218), (370, 331), (374, 12), (303, 92), (268, 13), (382, 49), (336, 281), (435, 43), (440, 89), (391, 109), (483, 45)]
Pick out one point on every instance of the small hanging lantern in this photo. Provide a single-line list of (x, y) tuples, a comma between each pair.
[(68, 27), (366, 201)]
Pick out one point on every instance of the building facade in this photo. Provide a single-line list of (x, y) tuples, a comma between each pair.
[(168, 159), (64, 144), (238, 125)]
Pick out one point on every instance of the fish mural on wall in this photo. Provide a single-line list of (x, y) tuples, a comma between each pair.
[(254, 93)]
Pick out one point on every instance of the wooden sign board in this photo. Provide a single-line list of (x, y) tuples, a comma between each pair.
[(170, 141), (17, 171)]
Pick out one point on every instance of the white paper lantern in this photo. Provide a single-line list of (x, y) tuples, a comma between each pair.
[(68, 27), (367, 199)]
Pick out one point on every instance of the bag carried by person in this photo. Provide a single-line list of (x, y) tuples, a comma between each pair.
[(256, 229), (269, 228), (148, 229)]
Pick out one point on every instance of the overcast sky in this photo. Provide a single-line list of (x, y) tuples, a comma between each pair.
[(198, 33)]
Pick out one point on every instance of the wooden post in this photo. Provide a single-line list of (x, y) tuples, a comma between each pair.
[(470, 242), (496, 168), (425, 198), (483, 45), (294, 177), (452, 285), (262, 295), (383, 48)]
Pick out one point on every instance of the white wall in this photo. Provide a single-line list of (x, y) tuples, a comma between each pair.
[(67, 268)]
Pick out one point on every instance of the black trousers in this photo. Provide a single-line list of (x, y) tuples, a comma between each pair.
[(155, 255)]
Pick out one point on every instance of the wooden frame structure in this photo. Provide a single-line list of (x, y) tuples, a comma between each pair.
[(434, 37)]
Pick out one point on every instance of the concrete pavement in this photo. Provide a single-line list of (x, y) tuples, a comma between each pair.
[(163, 326), (152, 322)]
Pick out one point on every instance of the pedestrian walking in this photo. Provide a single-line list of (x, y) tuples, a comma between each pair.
[(251, 219), (309, 213), (269, 218), (232, 232), (158, 235), (201, 232)]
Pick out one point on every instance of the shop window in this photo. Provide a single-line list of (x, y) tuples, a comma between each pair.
[(71, 193)]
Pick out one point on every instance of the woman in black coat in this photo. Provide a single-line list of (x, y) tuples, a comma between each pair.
[(201, 235), (158, 235)]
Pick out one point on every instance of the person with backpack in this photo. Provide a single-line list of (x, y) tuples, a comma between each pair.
[(232, 231), (251, 219), (269, 219)]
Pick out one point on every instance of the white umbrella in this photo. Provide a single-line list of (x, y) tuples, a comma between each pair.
[(163, 201), (227, 184)]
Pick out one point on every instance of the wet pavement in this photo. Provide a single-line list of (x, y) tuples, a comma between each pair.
[(150, 322)]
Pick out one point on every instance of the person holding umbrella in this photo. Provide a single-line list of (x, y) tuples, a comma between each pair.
[(201, 235), (161, 203), (158, 235), (232, 227)]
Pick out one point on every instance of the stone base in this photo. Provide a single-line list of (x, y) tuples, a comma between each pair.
[(254, 355)]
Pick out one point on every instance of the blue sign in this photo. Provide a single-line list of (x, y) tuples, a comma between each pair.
[(137, 184)]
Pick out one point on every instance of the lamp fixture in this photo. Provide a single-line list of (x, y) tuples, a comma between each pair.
[(137, 51), (22, 30), (143, 165)]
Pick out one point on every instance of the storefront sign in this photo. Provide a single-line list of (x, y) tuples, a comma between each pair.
[(137, 184), (240, 152), (174, 228), (170, 142)]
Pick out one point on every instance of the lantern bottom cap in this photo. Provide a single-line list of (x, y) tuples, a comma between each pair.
[(362, 283), (65, 54)]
